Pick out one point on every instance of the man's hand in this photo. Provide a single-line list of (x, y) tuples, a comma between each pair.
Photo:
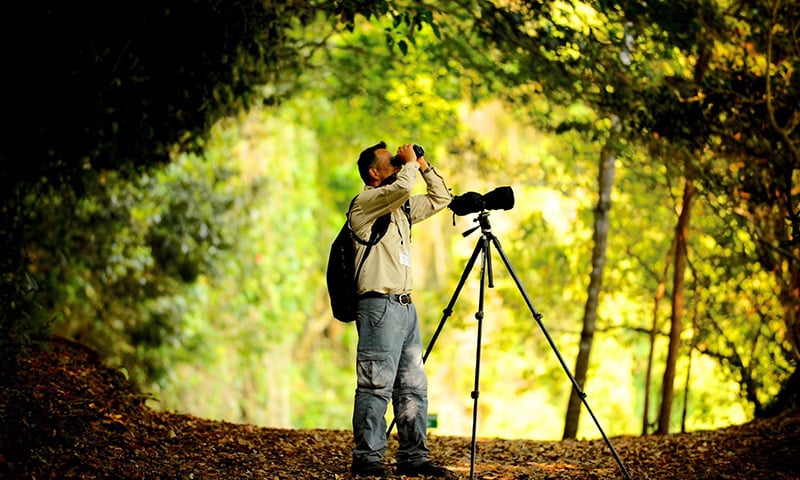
[(423, 164), (406, 152)]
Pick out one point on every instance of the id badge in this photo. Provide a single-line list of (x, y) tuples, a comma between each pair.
[(405, 257)]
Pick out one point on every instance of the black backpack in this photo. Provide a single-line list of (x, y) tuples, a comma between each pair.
[(342, 276)]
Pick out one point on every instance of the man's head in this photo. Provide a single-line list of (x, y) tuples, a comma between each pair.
[(374, 164)]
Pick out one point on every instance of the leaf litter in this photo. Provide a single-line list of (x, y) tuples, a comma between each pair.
[(66, 415)]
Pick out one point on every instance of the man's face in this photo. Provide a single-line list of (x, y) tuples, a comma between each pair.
[(383, 168)]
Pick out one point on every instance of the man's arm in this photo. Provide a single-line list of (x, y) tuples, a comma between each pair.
[(435, 199), (375, 202)]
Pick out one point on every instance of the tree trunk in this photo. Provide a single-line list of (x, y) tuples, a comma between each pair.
[(790, 299), (601, 224), (676, 321), (660, 292), (687, 380)]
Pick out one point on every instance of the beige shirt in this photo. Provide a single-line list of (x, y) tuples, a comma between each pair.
[(388, 266)]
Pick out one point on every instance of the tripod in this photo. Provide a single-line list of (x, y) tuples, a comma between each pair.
[(483, 249)]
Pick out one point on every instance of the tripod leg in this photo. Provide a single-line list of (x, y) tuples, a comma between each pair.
[(448, 310), (486, 267), (538, 317)]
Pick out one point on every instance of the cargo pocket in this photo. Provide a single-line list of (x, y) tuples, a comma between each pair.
[(375, 372)]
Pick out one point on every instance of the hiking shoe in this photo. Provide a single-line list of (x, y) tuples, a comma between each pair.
[(372, 469), (427, 469)]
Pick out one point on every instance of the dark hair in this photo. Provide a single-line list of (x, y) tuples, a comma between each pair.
[(367, 159)]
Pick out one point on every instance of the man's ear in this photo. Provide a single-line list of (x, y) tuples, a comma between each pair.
[(373, 173)]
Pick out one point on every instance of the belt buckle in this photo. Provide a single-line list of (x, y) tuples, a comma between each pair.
[(404, 299)]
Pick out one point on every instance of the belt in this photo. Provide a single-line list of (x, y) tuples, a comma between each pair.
[(401, 298)]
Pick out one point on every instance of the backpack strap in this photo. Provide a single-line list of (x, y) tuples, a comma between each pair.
[(407, 211), (379, 229)]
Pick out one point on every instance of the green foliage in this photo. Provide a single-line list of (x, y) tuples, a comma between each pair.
[(116, 260), (732, 91), (714, 81), (252, 309), (82, 96), (97, 86)]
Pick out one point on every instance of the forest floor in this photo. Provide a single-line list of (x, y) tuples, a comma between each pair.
[(66, 415)]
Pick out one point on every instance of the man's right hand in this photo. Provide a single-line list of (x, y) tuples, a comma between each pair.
[(406, 152)]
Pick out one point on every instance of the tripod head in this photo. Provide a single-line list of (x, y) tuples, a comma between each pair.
[(483, 224)]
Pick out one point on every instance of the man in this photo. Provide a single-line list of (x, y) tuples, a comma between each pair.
[(389, 359)]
